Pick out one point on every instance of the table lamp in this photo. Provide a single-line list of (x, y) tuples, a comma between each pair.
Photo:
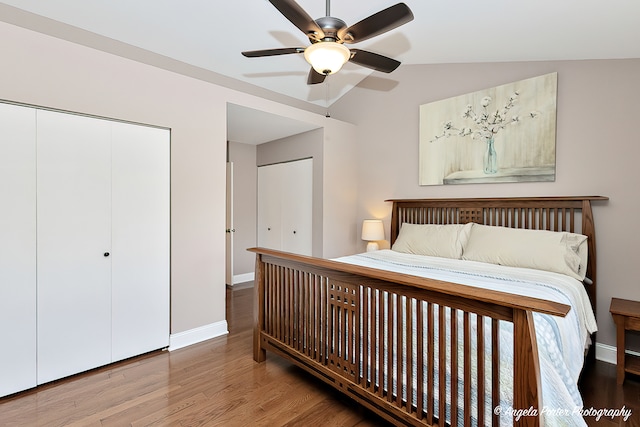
[(372, 231)]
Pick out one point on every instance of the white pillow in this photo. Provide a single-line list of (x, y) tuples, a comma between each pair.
[(560, 252), (444, 241)]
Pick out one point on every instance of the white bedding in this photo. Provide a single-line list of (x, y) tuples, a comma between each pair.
[(561, 341)]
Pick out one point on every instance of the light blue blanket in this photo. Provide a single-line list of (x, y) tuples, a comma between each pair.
[(561, 341)]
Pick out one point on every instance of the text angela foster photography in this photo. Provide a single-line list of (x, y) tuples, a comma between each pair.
[(597, 413)]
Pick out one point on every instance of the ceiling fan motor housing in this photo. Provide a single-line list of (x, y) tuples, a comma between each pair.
[(330, 26)]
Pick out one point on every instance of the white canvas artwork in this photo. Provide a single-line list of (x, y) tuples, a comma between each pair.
[(503, 134)]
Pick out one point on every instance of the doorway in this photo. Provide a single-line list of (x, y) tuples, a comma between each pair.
[(247, 128)]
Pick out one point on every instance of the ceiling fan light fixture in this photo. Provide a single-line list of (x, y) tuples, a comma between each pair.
[(327, 57)]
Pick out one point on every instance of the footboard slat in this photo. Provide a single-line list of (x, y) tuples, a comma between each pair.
[(389, 346), (409, 354), (495, 370), (466, 348), (430, 362), (442, 367), (399, 351), (373, 337), (420, 360), (480, 367), (454, 366), (378, 347)]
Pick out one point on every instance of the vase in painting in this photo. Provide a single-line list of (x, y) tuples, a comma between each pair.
[(490, 163)]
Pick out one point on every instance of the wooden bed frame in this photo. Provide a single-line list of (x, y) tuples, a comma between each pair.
[(325, 317)]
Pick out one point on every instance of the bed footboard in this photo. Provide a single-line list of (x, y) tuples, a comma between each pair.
[(415, 351)]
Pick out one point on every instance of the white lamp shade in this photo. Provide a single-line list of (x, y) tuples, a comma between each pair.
[(372, 230), (327, 57)]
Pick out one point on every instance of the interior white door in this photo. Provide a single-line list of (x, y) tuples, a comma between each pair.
[(297, 207), (270, 206), (17, 248), (74, 240), (140, 239)]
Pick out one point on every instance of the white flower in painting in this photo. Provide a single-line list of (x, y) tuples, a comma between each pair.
[(487, 123)]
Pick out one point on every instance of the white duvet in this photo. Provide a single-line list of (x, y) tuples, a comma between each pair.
[(561, 341)]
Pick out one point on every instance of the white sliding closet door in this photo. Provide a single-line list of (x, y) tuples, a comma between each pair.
[(17, 248), (297, 204), (140, 239), (285, 206), (269, 206), (74, 237)]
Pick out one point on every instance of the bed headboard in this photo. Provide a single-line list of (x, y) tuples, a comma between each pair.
[(535, 213)]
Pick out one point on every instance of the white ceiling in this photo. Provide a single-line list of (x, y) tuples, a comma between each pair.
[(250, 126), (210, 34)]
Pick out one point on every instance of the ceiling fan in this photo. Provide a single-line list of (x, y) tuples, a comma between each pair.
[(327, 52)]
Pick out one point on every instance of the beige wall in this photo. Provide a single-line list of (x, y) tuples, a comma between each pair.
[(597, 150), (45, 71), (340, 191)]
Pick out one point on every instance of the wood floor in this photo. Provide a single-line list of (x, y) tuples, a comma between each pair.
[(217, 383)]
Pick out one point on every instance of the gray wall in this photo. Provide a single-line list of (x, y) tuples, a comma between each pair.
[(597, 149)]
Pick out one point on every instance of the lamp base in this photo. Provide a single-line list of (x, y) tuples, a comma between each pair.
[(372, 246)]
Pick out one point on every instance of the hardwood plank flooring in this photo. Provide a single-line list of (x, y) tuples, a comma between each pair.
[(217, 383), (214, 383)]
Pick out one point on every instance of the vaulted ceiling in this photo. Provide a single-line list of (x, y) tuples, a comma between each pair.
[(210, 34)]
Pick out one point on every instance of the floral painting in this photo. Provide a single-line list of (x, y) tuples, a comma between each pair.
[(503, 134)]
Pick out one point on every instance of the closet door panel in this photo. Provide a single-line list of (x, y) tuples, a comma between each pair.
[(270, 206), (74, 275), (297, 207), (140, 232), (17, 248)]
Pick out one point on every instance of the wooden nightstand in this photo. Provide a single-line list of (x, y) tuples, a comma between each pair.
[(626, 315)]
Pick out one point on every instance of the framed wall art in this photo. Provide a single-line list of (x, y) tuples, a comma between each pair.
[(503, 134)]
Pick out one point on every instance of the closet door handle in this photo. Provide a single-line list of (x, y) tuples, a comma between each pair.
[(106, 254)]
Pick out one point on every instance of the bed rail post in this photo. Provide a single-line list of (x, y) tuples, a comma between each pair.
[(527, 394), (259, 353), (588, 229)]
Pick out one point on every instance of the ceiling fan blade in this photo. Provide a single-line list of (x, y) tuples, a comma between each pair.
[(315, 77), (272, 52), (376, 24), (373, 60), (298, 17)]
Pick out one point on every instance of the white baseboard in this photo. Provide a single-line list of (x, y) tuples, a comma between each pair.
[(241, 278), (196, 335), (608, 353)]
